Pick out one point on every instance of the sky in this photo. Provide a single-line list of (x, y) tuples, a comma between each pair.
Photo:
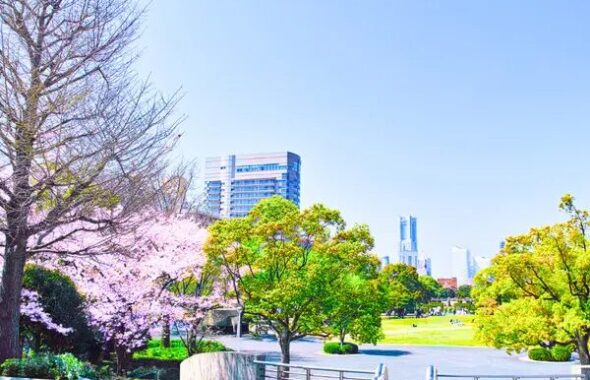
[(472, 116)]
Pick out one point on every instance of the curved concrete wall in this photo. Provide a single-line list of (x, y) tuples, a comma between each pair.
[(220, 365)]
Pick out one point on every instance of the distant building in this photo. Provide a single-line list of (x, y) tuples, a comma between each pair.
[(235, 183), (448, 283), (502, 244), (480, 262), (424, 265), (462, 265), (408, 245), (384, 261)]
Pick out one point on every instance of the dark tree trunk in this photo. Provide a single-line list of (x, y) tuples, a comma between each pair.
[(10, 292), (122, 360), (582, 346), (166, 332), (342, 337), (285, 343)]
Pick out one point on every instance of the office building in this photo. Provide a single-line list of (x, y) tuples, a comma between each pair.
[(462, 264), (480, 262), (235, 183), (408, 245), (384, 261), (424, 267)]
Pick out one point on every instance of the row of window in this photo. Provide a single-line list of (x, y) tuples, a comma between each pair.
[(259, 168)]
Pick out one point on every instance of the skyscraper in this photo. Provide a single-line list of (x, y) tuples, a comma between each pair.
[(462, 264), (408, 245), (424, 265), (235, 183)]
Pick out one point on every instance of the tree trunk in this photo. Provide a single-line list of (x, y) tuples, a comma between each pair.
[(342, 337), (582, 345), (122, 360), (166, 332), (285, 343), (10, 292)]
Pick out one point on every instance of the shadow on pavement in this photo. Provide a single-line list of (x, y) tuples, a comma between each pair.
[(384, 352)]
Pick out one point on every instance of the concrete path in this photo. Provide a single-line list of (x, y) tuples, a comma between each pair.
[(403, 362)]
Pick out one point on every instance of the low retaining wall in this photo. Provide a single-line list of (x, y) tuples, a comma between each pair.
[(220, 365)]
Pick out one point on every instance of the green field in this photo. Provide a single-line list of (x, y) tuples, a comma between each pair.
[(430, 331)]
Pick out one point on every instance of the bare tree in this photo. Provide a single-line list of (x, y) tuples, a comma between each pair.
[(81, 139)]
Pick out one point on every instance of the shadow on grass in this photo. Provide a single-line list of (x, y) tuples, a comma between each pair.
[(384, 352)]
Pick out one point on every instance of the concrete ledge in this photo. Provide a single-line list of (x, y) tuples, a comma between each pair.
[(220, 365)]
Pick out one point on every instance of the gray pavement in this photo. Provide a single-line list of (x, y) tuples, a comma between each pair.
[(403, 362)]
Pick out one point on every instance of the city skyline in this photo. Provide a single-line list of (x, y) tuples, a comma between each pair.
[(395, 107)]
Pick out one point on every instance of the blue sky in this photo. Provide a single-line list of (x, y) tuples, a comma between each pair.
[(472, 115)]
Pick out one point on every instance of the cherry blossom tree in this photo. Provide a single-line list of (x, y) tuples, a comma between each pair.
[(32, 310), (130, 292)]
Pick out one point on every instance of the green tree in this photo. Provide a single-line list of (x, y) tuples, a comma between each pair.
[(355, 307), (537, 291), (282, 263), (61, 300), (464, 291), (402, 287), (447, 293), (430, 287)]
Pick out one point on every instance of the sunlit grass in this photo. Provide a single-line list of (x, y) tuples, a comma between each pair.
[(430, 331)]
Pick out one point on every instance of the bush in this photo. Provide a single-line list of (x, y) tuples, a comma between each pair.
[(555, 354), (336, 348), (62, 301), (540, 354), (176, 351), (62, 367), (561, 353), (210, 346)]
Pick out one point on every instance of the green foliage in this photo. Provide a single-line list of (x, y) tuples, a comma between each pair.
[(430, 288), (354, 308), (447, 293), (177, 351), (555, 354), (540, 354), (283, 262), (402, 287), (61, 367), (341, 349), (537, 290), (464, 291), (561, 353), (61, 300)]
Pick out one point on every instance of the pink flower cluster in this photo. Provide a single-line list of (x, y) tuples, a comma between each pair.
[(128, 292), (32, 309)]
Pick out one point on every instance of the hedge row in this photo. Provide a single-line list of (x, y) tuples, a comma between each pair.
[(336, 348), (555, 354)]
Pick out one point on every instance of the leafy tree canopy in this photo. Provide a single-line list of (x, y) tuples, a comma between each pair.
[(282, 263), (537, 291)]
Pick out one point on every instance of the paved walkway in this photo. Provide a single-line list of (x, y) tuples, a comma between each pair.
[(403, 362)]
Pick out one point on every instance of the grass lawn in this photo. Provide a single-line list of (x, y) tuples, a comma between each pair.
[(430, 331)]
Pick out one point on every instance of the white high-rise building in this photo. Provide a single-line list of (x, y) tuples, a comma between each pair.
[(479, 263), (424, 265), (236, 183), (408, 241), (462, 264)]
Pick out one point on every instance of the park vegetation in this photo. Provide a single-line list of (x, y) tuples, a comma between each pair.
[(537, 291), (291, 269)]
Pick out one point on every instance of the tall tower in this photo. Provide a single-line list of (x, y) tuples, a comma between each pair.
[(462, 263), (408, 241)]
